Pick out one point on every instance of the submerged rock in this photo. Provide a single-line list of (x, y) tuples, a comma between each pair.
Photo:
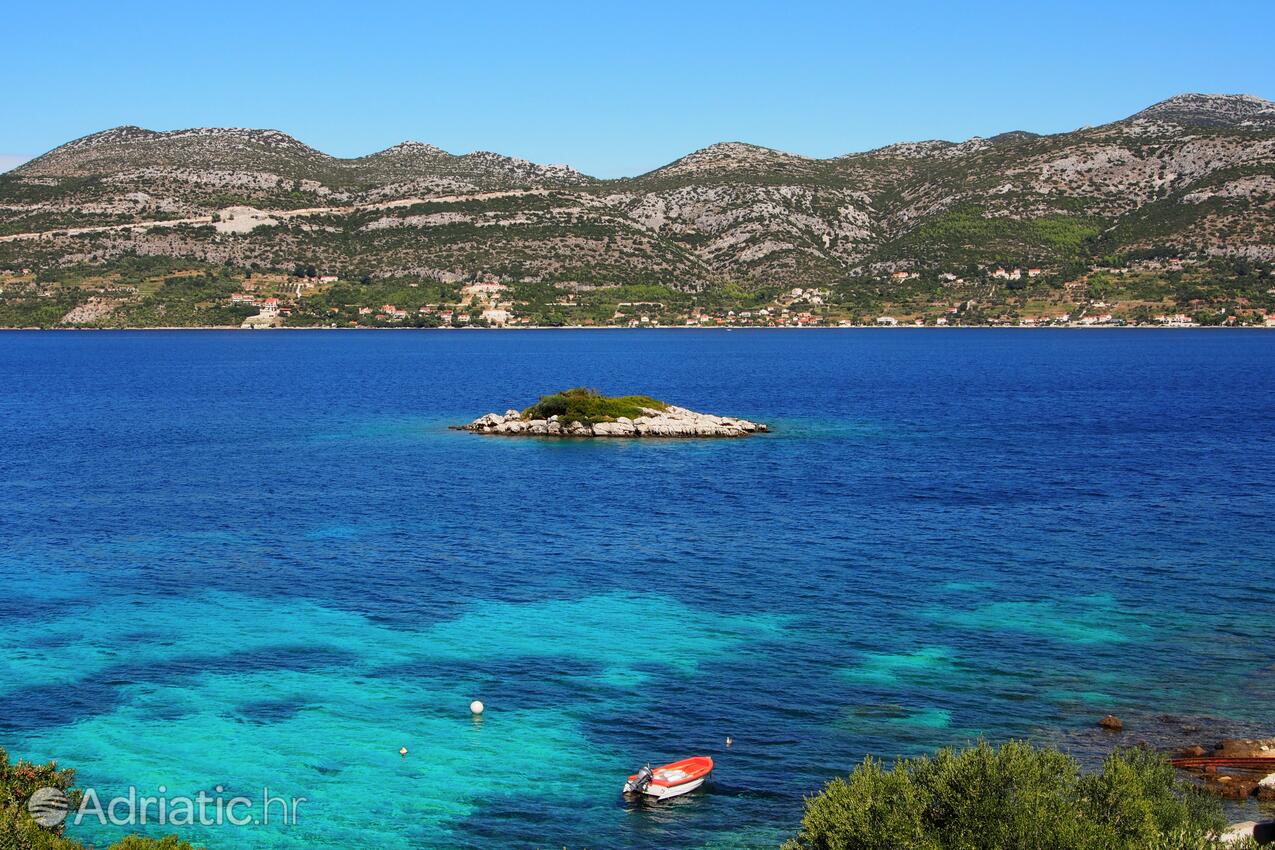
[(1111, 722), (671, 421), (1233, 787)]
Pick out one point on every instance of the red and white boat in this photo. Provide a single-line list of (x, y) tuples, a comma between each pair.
[(670, 780)]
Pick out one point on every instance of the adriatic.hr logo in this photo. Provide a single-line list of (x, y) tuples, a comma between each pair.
[(50, 807)]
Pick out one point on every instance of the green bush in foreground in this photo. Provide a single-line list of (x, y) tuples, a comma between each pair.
[(19, 831), (589, 406), (1007, 797)]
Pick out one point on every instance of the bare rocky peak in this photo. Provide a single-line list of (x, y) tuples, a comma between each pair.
[(129, 135), (431, 160), (408, 149), (241, 135), (942, 149), (522, 168), (129, 148), (114, 136), (1212, 110), (908, 150), (731, 156), (930, 150), (1012, 136)]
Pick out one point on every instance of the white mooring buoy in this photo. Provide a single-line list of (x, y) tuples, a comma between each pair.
[(476, 707)]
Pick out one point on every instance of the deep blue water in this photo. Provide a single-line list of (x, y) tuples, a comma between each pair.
[(240, 560)]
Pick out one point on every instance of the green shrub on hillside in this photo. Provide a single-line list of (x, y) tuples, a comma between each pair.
[(589, 406), (19, 831), (18, 781), (139, 842), (967, 234), (1007, 797)]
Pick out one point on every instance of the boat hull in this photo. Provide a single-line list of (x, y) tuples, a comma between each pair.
[(661, 792), (671, 780)]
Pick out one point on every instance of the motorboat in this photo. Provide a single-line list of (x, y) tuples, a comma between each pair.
[(672, 779)]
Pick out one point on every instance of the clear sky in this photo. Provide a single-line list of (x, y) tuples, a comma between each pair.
[(614, 88)]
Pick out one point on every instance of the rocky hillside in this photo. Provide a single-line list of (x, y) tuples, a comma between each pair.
[(1191, 177)]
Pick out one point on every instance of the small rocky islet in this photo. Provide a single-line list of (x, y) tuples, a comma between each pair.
[(581, 412)]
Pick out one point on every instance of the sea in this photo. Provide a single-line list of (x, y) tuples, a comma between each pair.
[(255, 566)]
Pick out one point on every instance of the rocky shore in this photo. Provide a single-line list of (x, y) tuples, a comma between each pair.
[(670, 422), (1237, 769), (1236, 783)]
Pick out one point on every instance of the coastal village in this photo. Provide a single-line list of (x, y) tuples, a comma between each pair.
[(1142, 293), (493, 304)]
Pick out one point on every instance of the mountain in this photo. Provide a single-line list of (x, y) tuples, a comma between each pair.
[(1192, 177), (1203, 110)]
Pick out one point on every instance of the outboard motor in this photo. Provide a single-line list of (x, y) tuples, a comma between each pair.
[(638, 783)]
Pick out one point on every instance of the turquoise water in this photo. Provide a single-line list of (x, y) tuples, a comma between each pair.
[(242, 561)]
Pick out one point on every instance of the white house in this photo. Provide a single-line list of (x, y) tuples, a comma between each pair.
[(496, 315)]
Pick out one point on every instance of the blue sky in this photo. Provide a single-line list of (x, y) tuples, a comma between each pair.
[(615, 88)]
